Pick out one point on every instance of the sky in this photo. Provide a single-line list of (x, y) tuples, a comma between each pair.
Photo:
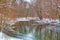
[(28, 0), (18, 1)]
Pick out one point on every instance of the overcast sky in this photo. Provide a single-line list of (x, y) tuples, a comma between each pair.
[(28, 1)]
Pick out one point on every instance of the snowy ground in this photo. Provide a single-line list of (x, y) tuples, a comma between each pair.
[(4, 37), (36, 19), (1, 36)]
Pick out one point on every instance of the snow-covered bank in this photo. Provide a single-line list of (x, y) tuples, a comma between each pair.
[(2, 36), (11, 22), (5, 37), (44, 20)]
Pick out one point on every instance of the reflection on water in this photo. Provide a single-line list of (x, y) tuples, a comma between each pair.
[(31, 30), (48, 33)]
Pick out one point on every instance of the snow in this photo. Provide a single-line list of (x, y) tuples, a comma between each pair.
[(22, 19), (1, 36), (58, 6), (5, 37), (36, 20)]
